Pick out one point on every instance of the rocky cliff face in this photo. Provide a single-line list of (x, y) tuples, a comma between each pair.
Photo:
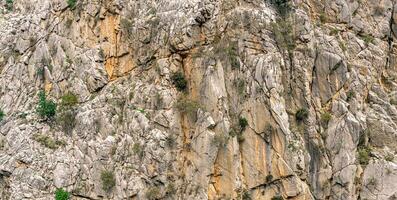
[(198, 99)]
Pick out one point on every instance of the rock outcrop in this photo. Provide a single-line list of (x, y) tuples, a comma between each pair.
[(198, 99)]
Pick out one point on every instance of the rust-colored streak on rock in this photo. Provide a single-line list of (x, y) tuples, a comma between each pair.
[(109, 34)]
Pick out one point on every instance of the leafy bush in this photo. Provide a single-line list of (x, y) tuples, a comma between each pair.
[(1, 114), (46, 108), (72, 3), (302, 114), (108, 180), (61, 194), (243, 123), (152, 193), (69, 99), (178, 79), (9, 4)]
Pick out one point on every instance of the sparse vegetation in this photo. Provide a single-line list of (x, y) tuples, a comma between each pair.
[(40, 72), (108, 180), (277, 197), (220, 140), (364, 155), (170, 190), (67, 120), (232, 52), (350, 95), (302, 114), (243, 122), (393, 101), (170, 141), (138, 150), (372, 182), (367, 38), (187, 106), (282, 6), (326, 117), (269, 129), (69, 99), (240, 84), (284, 35), (323, 17), (1, 114), (389, 157), (46, 108), (9, 4), (48, 141), (334, 31), (246, 195), (72, 3), (179, 81), (61, 194), (269, 178), (152, 193)]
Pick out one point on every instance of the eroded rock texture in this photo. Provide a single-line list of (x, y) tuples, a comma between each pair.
[(283, 99)]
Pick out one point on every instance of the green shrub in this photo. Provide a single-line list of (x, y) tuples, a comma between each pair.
[(46, 108), (350, 95), (243, 123), (72, 3), (326, 117), (9, 4), (69, 99), (1, 114), (269, 178), (153, 193), (302, 114), (61, 194), (282, 6), (232, 52), (40, 72), (179, 81), (364, 155), (108, 180), (323, 17)]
